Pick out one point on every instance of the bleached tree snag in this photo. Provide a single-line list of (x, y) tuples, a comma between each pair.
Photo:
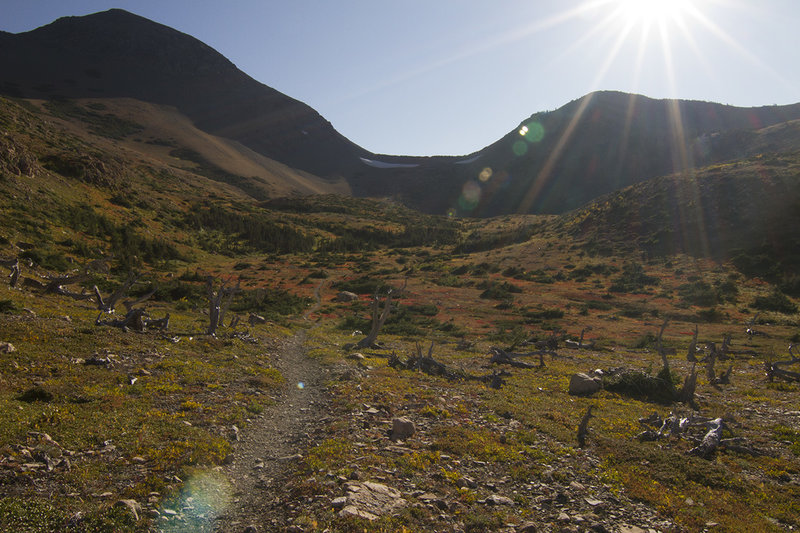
[(14, 277), (227, 302), (725, 348), (711, 359), (110, 303), (686, 394), (692, 351), (710, 441), (659, 345), (583, 427), (131, 304), (215, 306), (580, 345), (379, 316)]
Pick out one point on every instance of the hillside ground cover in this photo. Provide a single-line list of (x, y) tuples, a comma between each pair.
[(93, 415)]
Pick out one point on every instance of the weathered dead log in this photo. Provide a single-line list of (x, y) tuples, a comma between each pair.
[(108, 304), (710, 441), (56, 284), (551, 343), (583, 427), (379, 315), (420, 363), (774, 370), (501, 357), (160, 323), (134, 319)]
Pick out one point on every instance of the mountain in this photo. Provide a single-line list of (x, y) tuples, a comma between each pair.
[(592, 146), (552, 162), (119, 54)]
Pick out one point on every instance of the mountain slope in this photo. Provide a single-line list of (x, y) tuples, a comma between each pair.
[(551, 163), (592, 146), (119, 54)]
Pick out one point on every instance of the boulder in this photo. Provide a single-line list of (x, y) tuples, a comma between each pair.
[(346, 296), (370, 500), (581, 384), (402, 428)]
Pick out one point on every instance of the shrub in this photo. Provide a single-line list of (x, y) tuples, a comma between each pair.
[(498, 290), (633, 279), (698, 293), (8, 307), (776, 301)]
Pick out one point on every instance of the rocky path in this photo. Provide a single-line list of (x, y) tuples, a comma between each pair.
[(270, 444)]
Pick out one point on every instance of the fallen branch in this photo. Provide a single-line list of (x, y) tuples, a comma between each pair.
[(710, 441)]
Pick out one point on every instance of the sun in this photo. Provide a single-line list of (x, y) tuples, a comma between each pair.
[(646, 12)]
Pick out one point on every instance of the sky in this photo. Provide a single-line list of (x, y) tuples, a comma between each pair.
[(449, 77)]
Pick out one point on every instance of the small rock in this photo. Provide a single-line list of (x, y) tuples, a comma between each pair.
[(132, 506), (7, 347), (563, 517), (356, 356), (352, 510), (494, 499), (338, 503), (631, 529), (402, 428), (251, 529), (528, 527)]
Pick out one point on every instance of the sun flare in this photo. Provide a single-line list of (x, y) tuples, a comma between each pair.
[(652, 11)]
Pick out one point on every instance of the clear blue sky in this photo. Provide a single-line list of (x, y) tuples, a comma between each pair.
[(424, 77)]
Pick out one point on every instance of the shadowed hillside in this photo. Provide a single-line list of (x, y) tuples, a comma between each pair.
[(552, 162), (119, 54)]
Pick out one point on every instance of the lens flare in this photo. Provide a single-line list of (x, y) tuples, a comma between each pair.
[(470, 196), (533, 132), (301, 385), (519, 148), (205, 496), (485, 175)]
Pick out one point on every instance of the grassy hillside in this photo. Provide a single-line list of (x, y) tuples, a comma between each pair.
[(93, 415)]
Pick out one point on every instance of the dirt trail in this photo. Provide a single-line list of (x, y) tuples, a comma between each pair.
[(272, 442)]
